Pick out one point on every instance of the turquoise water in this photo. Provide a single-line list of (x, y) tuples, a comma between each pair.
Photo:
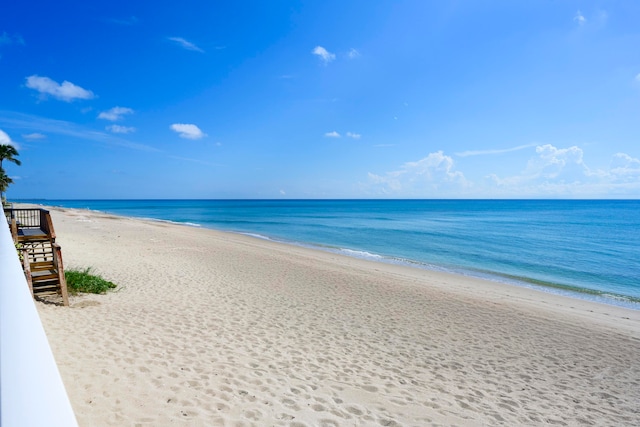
[(588, 249)]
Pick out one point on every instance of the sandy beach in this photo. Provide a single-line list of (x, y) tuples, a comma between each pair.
[(217, 329)]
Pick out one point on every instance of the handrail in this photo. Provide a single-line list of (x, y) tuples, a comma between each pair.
[(46, 224), (31, 389), (14, 230), (57, 261), (26, 217)]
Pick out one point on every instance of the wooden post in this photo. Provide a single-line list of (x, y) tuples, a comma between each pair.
[(47, 224), (14, 230), (57, 256)]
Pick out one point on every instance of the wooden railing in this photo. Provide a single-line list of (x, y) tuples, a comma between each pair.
[(31, 218), (32, 230)]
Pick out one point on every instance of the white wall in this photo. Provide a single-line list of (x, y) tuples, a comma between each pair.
[(31, 390)]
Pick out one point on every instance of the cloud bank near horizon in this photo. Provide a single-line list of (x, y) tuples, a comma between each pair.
[(550, 172)]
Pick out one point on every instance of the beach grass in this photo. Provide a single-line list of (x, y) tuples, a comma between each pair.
[(87, 282)]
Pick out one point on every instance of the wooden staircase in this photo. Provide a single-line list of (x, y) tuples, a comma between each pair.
[(32, 230)]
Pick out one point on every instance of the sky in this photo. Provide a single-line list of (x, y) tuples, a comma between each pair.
[(321, 99)]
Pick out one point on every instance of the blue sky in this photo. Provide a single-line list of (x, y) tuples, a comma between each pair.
[(322, 99)]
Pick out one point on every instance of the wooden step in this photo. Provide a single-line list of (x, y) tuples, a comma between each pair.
[(43, 267), (42, 257), (44, 277)]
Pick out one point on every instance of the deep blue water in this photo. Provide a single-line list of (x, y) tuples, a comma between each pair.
[(586, 248)]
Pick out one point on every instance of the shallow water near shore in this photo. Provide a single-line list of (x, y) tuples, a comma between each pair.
[(583, 248)]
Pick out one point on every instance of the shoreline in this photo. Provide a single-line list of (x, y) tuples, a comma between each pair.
[(453, 277), (215, 328), (569, 291), (560, 289)]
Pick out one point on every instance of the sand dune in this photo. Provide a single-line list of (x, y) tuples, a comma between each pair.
[(216, 329)]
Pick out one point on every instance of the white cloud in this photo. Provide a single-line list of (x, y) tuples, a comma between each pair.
[(69, 129), (353, 53), (638, 77), (435, 164), (324, 54), (6, 140), (353, 135), (498, 151), (120, 129), (552, 162), (551, 172), (562, 172), (625, 168), (333, 134), (434, 175), (66, 91), (579, 18), (188, 131), (34, 136), (114, 114), (185, 44)]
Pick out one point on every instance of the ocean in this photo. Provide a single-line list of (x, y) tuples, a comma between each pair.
[(586, 249)]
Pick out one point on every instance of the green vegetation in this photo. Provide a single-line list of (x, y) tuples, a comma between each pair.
[(9, 153), (5, 181), (84, 281), (19, 248)]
